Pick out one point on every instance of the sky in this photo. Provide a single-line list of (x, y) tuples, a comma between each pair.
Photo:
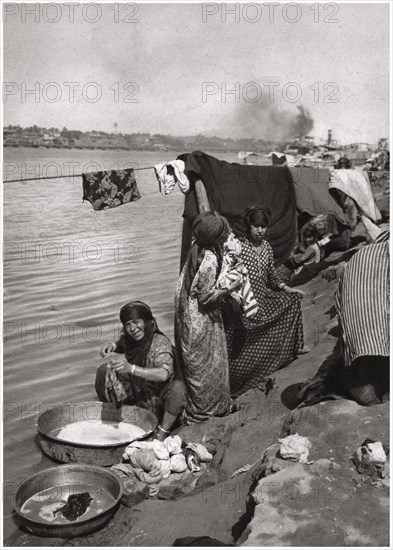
[(231, 70)]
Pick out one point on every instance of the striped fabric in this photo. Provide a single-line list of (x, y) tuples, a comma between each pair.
[(382, 237), (232, 267), (362, 303), (244, 295)]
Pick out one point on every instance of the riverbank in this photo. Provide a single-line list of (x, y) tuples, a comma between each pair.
[(321, 504), (67, 271)]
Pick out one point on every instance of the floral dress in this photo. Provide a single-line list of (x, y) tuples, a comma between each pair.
[(201, 341), (266, 342)]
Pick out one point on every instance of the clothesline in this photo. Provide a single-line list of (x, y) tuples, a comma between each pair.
[(67, 176), (144, 168)]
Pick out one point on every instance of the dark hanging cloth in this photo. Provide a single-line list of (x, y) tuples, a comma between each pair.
[(313, 194), (110, 188), (232, 188)]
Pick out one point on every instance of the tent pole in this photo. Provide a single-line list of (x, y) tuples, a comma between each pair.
[(203, 201), (203, 206)]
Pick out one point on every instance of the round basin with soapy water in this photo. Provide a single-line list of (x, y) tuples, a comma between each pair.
[(38, 496), (92, 432)]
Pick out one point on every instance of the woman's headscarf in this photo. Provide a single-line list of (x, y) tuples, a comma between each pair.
[(209, 227), (136, 351), (209, 230), (135, 310)]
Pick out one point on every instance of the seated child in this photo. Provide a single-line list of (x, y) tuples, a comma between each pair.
[(309, 251)]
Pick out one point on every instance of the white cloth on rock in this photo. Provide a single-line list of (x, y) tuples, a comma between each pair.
[(178, 463), (201, 451), (158, 447), (173, 445)]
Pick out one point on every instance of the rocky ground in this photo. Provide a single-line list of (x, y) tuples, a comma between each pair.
[(326, 503)]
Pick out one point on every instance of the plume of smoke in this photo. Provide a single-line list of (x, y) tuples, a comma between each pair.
[(264, 120), (303, 123)]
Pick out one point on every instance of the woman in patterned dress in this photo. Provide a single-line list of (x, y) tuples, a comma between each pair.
[(147, 375), (200, 335), (266, 342)]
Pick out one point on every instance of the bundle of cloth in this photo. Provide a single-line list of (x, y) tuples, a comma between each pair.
[(232, 267), (151, 462)]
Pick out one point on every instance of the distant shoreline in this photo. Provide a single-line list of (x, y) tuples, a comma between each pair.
[(107, 148)]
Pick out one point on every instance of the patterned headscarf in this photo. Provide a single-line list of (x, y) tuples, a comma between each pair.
[(209, 227)]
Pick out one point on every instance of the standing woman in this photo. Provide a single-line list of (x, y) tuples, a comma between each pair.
[(200, 335), (264, 343)]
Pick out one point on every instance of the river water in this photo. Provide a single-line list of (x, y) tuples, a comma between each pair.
[(67, 272)]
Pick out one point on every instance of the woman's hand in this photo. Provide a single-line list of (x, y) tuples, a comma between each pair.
[(237, 283), (294, 291), (122, 366), (107, 350)]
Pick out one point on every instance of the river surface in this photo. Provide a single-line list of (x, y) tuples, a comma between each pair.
[(67, 272)]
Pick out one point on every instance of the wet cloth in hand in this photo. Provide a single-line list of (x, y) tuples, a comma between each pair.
[(110, 188), (114, 390)]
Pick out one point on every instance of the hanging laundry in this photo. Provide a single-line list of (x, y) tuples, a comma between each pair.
[(312, 193), (110, 188), (355, 184), (231, 188), (169, 174)]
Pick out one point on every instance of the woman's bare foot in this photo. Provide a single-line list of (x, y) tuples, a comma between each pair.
[(365, 395), (160, 434), (304, 350)]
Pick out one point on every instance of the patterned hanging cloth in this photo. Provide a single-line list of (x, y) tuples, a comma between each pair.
[(110, 188)]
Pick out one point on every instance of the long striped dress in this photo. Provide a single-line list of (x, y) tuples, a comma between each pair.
[(264, 343), (362, 303)]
